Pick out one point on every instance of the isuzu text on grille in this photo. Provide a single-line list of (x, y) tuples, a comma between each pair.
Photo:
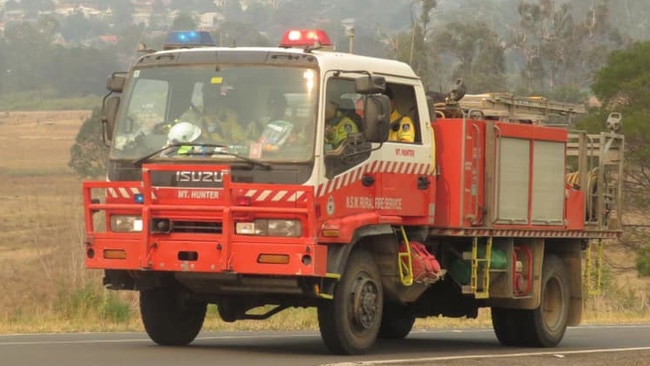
[(192, 176)]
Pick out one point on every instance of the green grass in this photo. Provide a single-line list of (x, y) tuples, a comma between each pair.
[(45, 100), (87, 302)]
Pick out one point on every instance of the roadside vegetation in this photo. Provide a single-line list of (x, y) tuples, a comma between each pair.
[(45, 101)]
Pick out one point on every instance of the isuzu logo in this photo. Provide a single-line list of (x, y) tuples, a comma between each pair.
[(199, 176)]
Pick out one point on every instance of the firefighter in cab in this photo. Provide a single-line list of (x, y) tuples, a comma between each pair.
[(401, 126), (219, 121), (278, 130), (337, 125)]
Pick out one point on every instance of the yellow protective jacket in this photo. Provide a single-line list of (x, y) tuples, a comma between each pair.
[(338, 128), (220, 127), (403, 130)]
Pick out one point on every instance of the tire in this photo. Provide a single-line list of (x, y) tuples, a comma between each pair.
[(544, 326), (228, 311), (549, 321), (350, 322), (169, 318), (505, 323), (396, 321)]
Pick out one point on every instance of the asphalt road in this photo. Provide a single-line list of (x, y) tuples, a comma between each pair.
[(585, 345)]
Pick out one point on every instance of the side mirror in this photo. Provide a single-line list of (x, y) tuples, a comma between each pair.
[(115, 82), (377, 118), (109, 112)]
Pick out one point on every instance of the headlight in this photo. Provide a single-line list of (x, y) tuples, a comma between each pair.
[(126, 224), (270, 227)]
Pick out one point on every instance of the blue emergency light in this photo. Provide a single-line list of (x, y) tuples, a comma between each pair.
[(188, 39)]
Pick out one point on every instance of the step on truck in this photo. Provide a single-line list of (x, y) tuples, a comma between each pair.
[(484, 209)]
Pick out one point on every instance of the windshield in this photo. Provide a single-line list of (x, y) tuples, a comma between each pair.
[(266, 113)]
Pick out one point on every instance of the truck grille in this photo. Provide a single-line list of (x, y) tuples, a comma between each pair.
[(196, 227)]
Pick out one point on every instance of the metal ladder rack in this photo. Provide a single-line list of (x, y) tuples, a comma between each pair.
[(600, 176), (480, 270)]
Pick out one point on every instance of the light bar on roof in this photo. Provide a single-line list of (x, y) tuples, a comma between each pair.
[(188, 39), (301, 38)]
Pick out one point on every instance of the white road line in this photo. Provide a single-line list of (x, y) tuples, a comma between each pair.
[(428, 360)]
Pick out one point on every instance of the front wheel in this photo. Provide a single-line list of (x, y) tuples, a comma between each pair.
[(170, 317), (349, 323)]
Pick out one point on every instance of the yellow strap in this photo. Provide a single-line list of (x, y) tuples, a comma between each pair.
[(405, 269)]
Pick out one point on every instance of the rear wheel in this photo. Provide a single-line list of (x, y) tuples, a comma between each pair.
[(549, 321), (396, 321), (349, 323), (544, 326), (170, 317)]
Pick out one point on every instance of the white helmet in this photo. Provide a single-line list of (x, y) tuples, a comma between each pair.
[(183, 132)]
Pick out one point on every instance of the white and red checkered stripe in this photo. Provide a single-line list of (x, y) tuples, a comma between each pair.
[(123, 192), (354, 175), (275, 195), (256, 195)]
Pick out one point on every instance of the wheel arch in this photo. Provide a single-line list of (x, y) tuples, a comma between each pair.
[(377, 239)]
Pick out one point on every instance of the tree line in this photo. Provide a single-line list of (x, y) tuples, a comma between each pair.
[(537, 47)]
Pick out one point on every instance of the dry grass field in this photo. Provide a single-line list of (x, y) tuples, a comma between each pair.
[(40, 213), (44, 286)]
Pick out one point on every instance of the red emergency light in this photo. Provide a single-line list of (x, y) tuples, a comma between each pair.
[(316, 38)]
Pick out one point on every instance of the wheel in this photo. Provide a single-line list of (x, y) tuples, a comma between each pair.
[(505, 323), (549, 320), (544, 326), (169, 318), (350, 322), (231, 309), (396, 321), (228, 311)]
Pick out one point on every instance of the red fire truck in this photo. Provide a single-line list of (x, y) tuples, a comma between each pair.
[(491, 206)]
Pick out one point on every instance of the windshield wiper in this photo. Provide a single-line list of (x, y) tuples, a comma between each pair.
[(145, 158)]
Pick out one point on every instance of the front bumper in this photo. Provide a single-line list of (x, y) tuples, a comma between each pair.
[(199, 234)]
